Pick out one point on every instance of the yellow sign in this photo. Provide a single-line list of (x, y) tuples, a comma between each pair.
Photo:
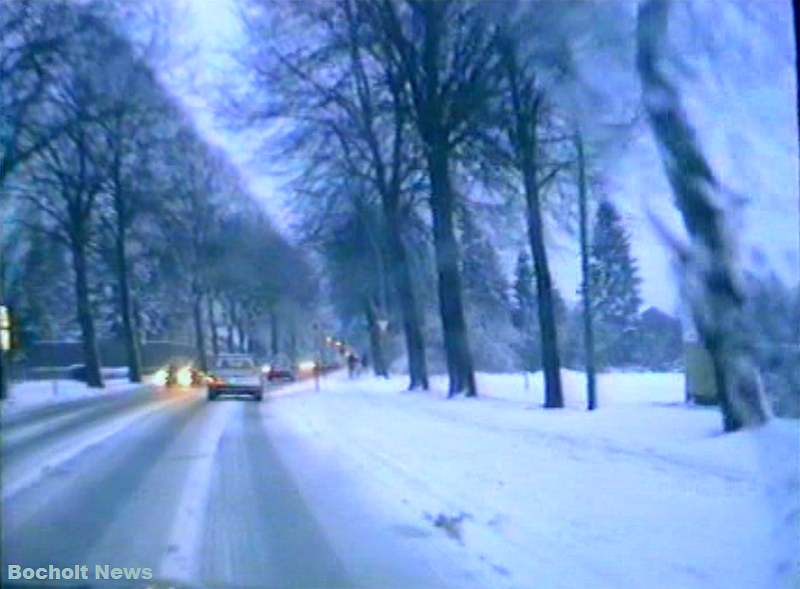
[(5, 329)]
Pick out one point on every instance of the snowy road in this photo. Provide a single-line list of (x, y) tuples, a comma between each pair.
[(201, 492)]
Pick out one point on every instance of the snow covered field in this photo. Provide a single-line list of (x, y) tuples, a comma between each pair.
[(645, 492), (34, 393)]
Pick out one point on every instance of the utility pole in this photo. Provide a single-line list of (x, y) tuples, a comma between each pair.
[(318, 363), (586, 289)]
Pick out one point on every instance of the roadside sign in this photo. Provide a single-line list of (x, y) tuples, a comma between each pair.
[(5, 329)]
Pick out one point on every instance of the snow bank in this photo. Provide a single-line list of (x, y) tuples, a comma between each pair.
[(30, 394), (617, 388), (643, 492)]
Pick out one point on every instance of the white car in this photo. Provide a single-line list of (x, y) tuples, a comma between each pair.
[(235, 374)]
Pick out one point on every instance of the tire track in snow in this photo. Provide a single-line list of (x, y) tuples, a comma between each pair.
[(183, 558), (17, 439), (36, 464)]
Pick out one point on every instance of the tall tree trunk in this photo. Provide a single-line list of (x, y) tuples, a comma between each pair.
[(91, 356), (273, 331), (586, 287), (199, 329), (525, 105), (451, 306), (241, 334), (126, 311), (293, 341), (375, 340), (718, 301), (551, 364), (231, 345), (796, 15), (212, 323), (388, 180), (137, 320), (123, 220), (401, 278)]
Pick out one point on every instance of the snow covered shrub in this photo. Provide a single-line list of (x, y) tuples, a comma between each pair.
[(774, 311)]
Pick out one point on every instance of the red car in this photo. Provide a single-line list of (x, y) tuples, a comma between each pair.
[(280, 368)]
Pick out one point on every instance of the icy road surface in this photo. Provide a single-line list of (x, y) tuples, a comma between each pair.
[(365, 485)]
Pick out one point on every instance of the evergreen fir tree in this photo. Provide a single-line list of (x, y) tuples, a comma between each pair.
[(44, 297), (524, 308), (524, 314), (483, 280), (486, 298), (615, 284)]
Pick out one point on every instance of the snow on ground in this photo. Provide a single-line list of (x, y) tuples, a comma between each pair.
[(643, 492), (35, 393)]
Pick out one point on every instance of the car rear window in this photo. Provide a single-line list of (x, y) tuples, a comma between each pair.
[(234, 363)]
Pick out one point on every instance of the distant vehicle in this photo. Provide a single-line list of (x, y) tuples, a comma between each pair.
[(307, 368), (235, 374), (279, 368), (178, 376)]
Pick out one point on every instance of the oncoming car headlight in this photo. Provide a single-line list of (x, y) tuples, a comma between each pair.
[(159, 378), (306, 365), (183, 377)]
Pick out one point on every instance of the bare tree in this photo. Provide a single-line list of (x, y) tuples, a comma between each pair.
[(66, 186), (715, 295), (130, 134), (33, 36), (197, 173), (526, 104), (391, 165), (348, 107), (445, 51)]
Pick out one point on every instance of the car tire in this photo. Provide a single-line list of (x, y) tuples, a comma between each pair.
[(259, 397), (212, 396)]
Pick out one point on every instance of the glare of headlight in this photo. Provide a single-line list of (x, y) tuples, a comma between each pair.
[(266, 368), (306, 365), (159, 378), (184, 376)]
